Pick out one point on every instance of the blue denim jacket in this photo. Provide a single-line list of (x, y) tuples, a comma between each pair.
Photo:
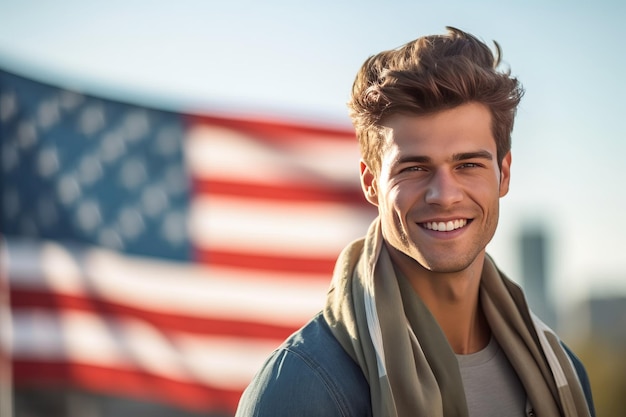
[(312, 375)]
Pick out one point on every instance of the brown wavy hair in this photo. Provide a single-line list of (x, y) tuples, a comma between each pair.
[(430, 74)]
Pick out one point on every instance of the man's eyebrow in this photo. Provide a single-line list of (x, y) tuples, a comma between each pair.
[(419, 159), (463, 156)]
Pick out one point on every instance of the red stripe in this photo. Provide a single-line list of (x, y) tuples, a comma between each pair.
[(160, 320), (288, 193), (276, 132), (127, 383), (295, 264)]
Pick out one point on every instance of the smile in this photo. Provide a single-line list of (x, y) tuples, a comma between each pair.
[(445, 226)]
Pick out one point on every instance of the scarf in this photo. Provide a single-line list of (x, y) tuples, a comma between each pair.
[(412, 371)]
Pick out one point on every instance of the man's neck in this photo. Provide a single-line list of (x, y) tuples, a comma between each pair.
[(453, 300)]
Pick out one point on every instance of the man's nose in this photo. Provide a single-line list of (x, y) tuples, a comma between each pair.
[(443, 189)]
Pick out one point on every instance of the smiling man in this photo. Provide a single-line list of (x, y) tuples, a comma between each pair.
[(419, 321)]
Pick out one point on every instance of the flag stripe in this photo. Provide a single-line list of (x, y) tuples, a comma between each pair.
[(201, 325), (124, 382), (249, 262), (286, 193), (276, 131), (217, 153), (297, 230), (282, 300), (129, 343)]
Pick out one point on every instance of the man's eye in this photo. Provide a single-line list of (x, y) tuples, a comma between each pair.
[(412, 169), (469, 165)]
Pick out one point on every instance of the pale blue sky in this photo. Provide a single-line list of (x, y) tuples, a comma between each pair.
[(290, 60)]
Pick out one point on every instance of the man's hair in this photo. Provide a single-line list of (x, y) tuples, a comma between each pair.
[(430, 74)]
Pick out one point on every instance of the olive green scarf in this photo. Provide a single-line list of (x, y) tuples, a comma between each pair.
[(410, 367)]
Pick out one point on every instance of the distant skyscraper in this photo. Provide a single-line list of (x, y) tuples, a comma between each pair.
[(534, 248), (608, 318)]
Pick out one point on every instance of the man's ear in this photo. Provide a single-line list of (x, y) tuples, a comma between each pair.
[(505, 174), (369, 184)]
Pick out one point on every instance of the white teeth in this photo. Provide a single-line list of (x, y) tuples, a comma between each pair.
[(446, 226)]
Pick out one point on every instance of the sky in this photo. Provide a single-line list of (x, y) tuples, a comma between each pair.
[(296, 61)]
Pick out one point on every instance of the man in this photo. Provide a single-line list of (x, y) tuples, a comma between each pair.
[(419, 321)]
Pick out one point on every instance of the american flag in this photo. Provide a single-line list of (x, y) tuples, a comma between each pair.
[(162, 255)]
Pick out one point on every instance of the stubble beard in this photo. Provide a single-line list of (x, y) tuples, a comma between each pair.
[(439, 263)]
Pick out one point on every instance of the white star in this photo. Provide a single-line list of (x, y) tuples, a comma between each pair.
[(88, 215), (168, 140), (174, 227), (131, 223), (26, 134), (68, 189), (112, 147), (133, 173), (47, 162), (48, 114), (89, 170), (154, 200), (8, 106), (91, 120), (136, 125)]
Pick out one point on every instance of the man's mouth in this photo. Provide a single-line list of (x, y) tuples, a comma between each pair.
[(448, 226)]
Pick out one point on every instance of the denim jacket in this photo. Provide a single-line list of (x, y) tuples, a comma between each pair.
[(312, 375)]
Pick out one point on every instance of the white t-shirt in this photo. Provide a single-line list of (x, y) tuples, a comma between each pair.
[(492, 387)]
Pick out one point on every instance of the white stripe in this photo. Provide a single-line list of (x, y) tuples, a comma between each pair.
[(5, 305), (132, 344), (553, 361), (6, 336), (167, 287), (217, 152), (565, 392), (376, 335), (298, 228)]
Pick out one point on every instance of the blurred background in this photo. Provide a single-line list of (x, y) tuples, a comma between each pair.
[(178, 178)]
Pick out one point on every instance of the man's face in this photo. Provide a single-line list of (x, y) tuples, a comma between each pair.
[(439, 186)]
